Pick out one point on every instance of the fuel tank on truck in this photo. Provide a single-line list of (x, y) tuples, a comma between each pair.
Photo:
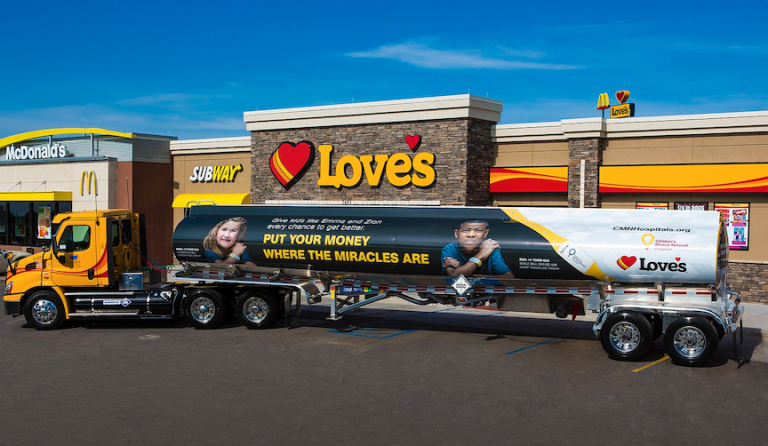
[(543, 244)]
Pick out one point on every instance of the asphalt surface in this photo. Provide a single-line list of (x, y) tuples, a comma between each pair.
[(386, 376)]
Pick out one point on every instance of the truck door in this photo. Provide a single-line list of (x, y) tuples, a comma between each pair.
[(79, 255), (124, 256)]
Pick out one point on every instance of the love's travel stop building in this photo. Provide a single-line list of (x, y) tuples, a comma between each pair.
[(451, 151)]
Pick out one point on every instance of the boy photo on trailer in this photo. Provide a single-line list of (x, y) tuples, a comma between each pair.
[(473, 253)]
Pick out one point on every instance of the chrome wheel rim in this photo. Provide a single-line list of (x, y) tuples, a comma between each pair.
[(690, 342), (255, 309), (202, 309), (625, 337), (44, 311)]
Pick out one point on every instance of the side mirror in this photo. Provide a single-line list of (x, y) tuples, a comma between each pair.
[(7, 256)]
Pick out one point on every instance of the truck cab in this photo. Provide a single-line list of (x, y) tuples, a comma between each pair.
[(79, 274)]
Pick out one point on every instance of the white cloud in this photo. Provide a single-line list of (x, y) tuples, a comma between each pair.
[(422, 56)]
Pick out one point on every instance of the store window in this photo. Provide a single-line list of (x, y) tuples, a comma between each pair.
[(3, 223), (19, 223), (25, 223)]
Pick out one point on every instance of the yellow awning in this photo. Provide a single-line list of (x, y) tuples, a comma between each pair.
[(36, 196), (186, 200)]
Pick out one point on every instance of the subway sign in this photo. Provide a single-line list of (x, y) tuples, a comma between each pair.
[(215, 174)]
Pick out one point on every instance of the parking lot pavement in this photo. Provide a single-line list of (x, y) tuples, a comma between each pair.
[(387, 375), (750, 345)]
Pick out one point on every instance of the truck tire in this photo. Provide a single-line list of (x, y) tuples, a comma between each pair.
[(256, 310), (44, 311), (690, 341), (204, 309), (626, 336)]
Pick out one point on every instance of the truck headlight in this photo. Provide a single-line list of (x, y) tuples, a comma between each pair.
[(8, 287)]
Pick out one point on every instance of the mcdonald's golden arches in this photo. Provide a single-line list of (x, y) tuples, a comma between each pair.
[(88, 178)]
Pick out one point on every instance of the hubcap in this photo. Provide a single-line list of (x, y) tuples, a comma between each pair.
[(624, 337), (202, 309), (690, 342), (255, 309), (44, 311)]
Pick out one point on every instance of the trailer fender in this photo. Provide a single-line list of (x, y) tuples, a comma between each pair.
[(666, 313)]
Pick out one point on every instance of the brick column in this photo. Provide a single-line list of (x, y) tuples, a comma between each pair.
[(591, 151), (479, 152)]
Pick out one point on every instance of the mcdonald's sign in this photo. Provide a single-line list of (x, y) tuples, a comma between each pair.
[(88, 179), (603, 102)]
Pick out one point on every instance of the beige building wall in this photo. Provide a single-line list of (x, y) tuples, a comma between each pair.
[(698, 149), (186, 155), (531, 154), (65, 177), (546, 200)]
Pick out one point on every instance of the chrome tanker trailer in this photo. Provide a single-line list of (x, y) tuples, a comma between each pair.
[(648, 273)]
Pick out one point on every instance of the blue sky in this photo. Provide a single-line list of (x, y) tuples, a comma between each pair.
[(190, 69)]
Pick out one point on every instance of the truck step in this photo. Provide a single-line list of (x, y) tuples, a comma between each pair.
[(107, 312)]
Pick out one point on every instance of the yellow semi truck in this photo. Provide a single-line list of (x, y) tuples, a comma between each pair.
[(91, 270)]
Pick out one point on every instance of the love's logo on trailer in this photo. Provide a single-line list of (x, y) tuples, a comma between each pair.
[(625, 262), (289, 162)]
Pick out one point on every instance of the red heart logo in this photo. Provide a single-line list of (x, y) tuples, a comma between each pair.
[(289, 162), (625, 262), (622, 96), (677, 258), (413, 141)]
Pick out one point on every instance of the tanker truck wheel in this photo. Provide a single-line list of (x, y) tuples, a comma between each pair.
[(690, 341), (626, 336), (204, 308), (256, 310), (44, 311)]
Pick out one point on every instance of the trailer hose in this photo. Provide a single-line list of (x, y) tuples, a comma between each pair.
[(151, 263)]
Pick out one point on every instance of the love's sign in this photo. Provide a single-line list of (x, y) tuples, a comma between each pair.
[(291, 161)]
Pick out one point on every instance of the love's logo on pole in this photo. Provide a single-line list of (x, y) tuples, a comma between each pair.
[(622, 96), (623, 110)]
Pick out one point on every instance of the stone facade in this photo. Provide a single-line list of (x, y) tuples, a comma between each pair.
[(463, 155), (750, 280), (591, 151)]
